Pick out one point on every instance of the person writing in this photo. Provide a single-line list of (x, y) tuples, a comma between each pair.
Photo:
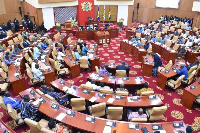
[(157, 63), (183, 71)]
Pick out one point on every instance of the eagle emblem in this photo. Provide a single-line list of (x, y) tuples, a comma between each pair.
[(86, 6)]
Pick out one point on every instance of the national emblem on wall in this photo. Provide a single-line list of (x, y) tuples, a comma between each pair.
[(86, 6)]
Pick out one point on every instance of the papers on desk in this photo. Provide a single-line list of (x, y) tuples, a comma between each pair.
[(91, 56), (93, 99), (16, 74), (93, 76), (130, 99), (36, 102), (43, 60), (141, 50), (60, 116), (65, 88), (120, 81), (125, 40), (107, 129), (101, 78), (173, 51), (160, 131), (111, 100), (157, 43), (43, 56), (47, 67)]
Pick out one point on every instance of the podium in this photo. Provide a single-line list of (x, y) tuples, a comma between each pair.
[(102, 37), (68, 25)]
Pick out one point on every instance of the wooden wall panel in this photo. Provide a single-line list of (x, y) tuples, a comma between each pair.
[(130, 15), (2, 7), (148, 12), (11, 11)]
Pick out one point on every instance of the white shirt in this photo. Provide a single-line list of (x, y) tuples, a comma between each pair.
[(188, 44), (60, 56)]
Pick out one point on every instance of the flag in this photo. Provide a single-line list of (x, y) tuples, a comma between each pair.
[(104, 14), (98, 17), (109, 14)]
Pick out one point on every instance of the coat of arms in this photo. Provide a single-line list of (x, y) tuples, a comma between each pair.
[(86, 6)]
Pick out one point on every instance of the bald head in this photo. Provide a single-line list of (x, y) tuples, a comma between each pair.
[(140, 111), (7, 94)]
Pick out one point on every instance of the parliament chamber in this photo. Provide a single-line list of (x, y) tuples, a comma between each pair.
[(100, 66)]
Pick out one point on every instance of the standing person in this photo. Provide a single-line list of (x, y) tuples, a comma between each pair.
[(157, 63), (9, 25), (35, 27), (58, 26), (16, 22), (84, 49), (12, 27), (4, 27)]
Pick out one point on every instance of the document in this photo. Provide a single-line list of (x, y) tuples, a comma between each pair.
[(65, 88), (111, 100), (93, 99), (130, 99), (107, 129), (60, 116), (16, 74)]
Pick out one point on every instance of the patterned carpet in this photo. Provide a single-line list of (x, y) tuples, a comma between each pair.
[(112, 53)]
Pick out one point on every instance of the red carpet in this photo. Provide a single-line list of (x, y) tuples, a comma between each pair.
[(112, 53)]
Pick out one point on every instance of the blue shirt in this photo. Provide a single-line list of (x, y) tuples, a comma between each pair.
[(122, 67), (137, 42), (154, 39), (84, 50), (139, 30), (183, 71), (77, 55), (146, 46), (13, 102), (44, 46), (162, 41), (36, 52)]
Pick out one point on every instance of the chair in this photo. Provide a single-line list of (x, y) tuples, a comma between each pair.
[(98, 110), (149, 50), (61, 46), (4, 75), (73, 55), (189, 79), (138, 35), (97, 70), (183, 26), (9, 33), (106, 91), (168, 42), (55, 52), (143, 41), (4, 67), (158, 34), (133, 29), (59, 70), (79, 49), (120, 73), (14, 115), (167, 67), (175, 38), (45, 130), (49, 41), (175, 47), (31, 53), (35, 127), (164, 31), (39, 92), (78, 104), (52, 62), (32, 79), (2, 104), (28, 67), (21, 44), (50, 98), (121, 93), (172, 29), (197, 70), (138, 120), (84, 63), (69, 40), (156, 113), (20, 37), (175, 84), (167, 27), (54, 56), (192, 69), (148, 30), (195, 29), (114, 113), (179, 31), (147, 93), (15, 40), (31, 38), (10, 42), (4, 87), (86, 87)]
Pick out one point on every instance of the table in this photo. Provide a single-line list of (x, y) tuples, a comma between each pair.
[(191, 56), (92, 23), (130, 33), (79, 122), (111, 68), (147, 66), (5, 40), (137, 51), (189, 94), (4, 127), (163, 76), (102, 37)]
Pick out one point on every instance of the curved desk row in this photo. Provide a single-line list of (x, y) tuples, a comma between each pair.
[(82, 121), (4, 128)]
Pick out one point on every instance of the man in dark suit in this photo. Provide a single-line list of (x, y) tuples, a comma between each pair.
[(124, 67), (9, 25), (16, 22), (157, 63)]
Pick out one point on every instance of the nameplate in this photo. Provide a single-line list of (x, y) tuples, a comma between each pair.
[(90, 119)]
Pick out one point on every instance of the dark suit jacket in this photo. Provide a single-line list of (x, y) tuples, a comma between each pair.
[(157, 61), (122, 67)]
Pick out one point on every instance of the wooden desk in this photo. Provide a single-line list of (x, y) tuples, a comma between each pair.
[(191, 56), (5, 40), (92, 23), (147, 66), (130, 33), (162, 76), (112, 68), (85, 35), (189, 95), (62, 38), (102, 37), (79, 122), (4, 128)]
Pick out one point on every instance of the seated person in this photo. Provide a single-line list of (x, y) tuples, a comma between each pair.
[(84, 49), (176, 33), (140, 30), (151, 28), (60, 55), (182, 71), (26, 43), (145, 88), (93, 84), (36, 52), (7, 59), (77, 55), (168, 36), (123, 67), (121, 88), (59, 97), (139, 114), (196, 63), (157, 63), (188, 27), (44, 45), (146, 46), (180, 40), (181, 52), (57, 128), (154, 38), (189, 43), (63, 44), (197, 40), (24, 34), (2, 46), (14, 102), (162, 40), (159, 28), (44, 89), (37, 73), (28, 110), (184, 35), (101, 84), (103, 71), (137, 41), (15, 51), (133, 38), (191, 37), (2, 33)]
